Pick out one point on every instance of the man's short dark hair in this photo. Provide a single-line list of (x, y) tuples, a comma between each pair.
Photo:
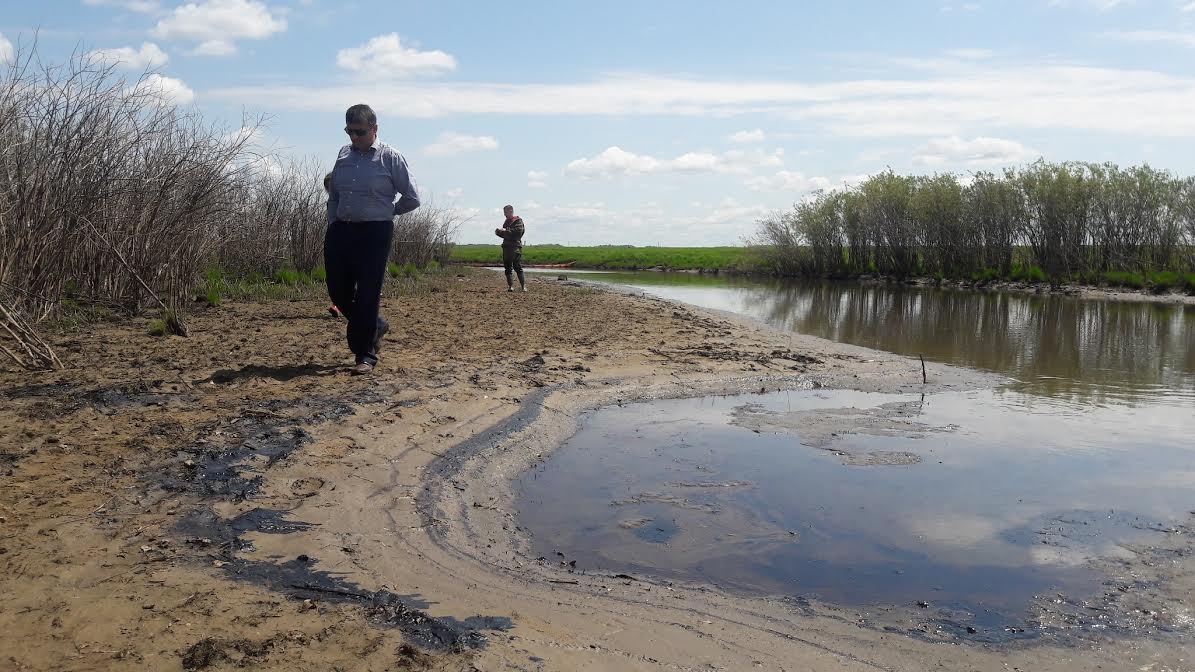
[(508, 207), (360, 114)]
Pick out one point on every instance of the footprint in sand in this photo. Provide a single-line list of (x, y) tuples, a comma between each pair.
[(306, 487)]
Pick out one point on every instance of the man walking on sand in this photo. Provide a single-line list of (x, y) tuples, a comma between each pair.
[(367, 177), (511, 233)]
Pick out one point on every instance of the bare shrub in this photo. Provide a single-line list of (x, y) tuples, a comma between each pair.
[(109, 189), (425, 235), (279, 221)]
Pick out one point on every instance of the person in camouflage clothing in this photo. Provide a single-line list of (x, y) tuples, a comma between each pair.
[(511, 233)]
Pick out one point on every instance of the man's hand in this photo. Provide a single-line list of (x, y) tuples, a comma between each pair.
[(499, 232)]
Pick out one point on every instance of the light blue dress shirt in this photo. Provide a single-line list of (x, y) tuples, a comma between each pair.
[(364, 185)]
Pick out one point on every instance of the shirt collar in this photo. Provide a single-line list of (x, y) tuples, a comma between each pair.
[(372, 148)]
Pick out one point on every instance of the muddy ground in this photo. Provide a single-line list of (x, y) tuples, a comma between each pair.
[(237, 500)]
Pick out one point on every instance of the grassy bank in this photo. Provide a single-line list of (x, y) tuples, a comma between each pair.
[(756, 260), (219, 286), (616, 257)]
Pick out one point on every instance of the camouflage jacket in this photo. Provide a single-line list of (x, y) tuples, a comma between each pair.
[(512, 234)]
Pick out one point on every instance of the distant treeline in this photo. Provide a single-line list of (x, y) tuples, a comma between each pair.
[(1075, 222)]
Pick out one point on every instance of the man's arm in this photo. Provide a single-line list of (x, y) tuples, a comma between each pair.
[(333, 203), (404, 184)]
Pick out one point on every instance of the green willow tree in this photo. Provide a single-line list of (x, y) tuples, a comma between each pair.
[(1056, 221)]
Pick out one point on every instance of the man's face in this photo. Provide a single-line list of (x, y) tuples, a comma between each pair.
[(509, 212), (362, 135)]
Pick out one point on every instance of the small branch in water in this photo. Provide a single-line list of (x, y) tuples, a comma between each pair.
[(924, 380)]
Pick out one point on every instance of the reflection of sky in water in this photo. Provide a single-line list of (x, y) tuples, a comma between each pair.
[(1084, 351), (1004, 504)]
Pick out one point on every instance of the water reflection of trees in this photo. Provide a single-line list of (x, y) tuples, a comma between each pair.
[(1087, 350)]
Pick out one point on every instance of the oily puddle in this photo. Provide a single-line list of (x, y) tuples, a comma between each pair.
[(981, 501)]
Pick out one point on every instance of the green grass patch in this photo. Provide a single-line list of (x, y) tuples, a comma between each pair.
[(291, 277), (1164, 281), (615, 257), (157, 327), (75, 314), (213, 286), (986, 275), (1124, 279), (319, 274), (404, 270), (1028, 274)]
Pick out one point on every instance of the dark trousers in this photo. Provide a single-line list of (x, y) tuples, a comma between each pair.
[(355, 256), (512, 259)]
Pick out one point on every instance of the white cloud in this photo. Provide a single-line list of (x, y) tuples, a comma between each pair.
[(214, 48), (970, 54), (964, 7), (6, 49), (615, 161), (143, 6), (729, 222), (1189, 7), (251, 136), (168, 89), (385, 55), (148, 57), (536, 179), (726, 222), (747, 136), (456, 143), (454, 193), (852, 181), (974, 152), (1182, 39), (788, 181), (217, 24), (1101, 5), (927, 99)]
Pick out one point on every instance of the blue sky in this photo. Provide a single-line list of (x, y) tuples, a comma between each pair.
[(660, 122)]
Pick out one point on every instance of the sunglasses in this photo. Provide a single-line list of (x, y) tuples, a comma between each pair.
[(358, 132)]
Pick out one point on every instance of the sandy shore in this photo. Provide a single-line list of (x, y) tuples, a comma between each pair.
[(236, 499)]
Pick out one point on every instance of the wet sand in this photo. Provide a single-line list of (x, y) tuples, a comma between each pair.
[(236, 499)]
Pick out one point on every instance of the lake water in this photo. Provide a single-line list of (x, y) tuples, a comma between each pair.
[(977, 500)]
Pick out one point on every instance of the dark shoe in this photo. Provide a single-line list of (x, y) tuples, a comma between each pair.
[(362, 369), (377, 338), (510, 289)]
